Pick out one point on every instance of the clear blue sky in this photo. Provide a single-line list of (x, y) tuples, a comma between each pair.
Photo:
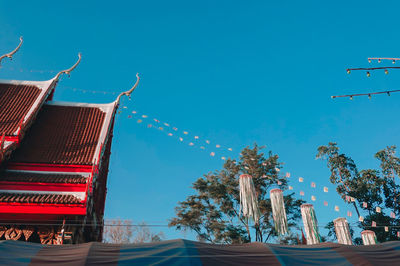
[(234, 72)]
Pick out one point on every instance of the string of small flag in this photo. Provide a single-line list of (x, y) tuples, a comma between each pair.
[(183, 136), (191, 140)]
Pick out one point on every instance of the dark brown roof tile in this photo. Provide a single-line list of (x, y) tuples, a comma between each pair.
[(39, 198), (42, 177), (62, 135), (15, 102)]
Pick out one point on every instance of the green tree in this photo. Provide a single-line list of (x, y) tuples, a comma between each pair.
[(375, 188), (213, 213)]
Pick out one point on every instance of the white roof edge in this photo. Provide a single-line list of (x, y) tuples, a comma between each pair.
[(41, 84), (104, 130), (105, 107)]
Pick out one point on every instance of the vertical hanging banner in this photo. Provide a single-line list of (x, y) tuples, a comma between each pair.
[(248, 198), (342, 231), (278, 211), (310, 224), (368, 237)]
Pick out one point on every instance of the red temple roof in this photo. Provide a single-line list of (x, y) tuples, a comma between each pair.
[(20, 102), (54, 156), (65, 134)]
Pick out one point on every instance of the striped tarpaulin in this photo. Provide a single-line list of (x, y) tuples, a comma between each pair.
[(185, 252)]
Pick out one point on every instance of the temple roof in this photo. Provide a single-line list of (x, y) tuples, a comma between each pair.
[(39, 198), (20, 101), (66, 133), (38, 177)]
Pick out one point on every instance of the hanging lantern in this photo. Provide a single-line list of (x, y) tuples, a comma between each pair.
[(342, 231), (248, 198), (278, 211), (368, 237), (310, 224)]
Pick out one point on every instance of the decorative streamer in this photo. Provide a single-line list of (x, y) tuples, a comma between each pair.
[(342, 231), (310, 224), (368, 237), (278, 211), (248, 198)]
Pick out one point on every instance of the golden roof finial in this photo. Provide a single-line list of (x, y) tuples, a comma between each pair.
[(10, 54), (128, 93), (68, 71)]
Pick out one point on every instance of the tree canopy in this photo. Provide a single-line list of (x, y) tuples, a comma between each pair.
[(213, 212), (367, 189)]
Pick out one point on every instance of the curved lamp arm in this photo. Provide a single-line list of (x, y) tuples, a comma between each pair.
[(10, 54), (68, 71), (128, 93)]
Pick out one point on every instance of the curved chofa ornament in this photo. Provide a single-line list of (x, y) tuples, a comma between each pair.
[(68, 71), (10, 54), (128, 92)]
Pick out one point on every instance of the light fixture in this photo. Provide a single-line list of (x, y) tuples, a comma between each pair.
[(348, 71), (369, 60), (388, 93), (386, 71), (394, 61), (351, 97), (369, 96), (368, 74), (379, 60)]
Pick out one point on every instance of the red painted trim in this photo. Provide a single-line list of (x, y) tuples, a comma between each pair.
[(70, 168), (59, 187), (52, 209), (11, 138)]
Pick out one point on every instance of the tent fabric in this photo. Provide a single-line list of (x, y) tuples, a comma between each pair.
[(185, 252)]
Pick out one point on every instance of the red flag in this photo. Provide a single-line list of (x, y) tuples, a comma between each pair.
[(303, 238)]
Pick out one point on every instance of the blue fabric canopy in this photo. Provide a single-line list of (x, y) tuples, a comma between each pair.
[(185, 252)]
